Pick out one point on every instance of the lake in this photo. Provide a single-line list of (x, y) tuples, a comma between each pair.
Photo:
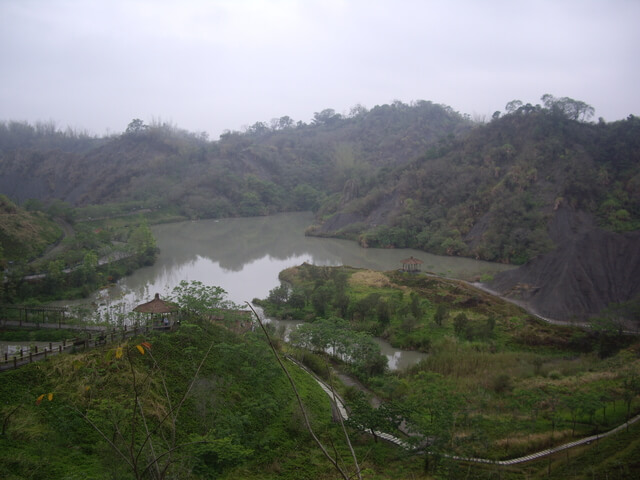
[(245, 255)]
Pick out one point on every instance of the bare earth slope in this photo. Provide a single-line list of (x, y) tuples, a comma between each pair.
[(590, 269)]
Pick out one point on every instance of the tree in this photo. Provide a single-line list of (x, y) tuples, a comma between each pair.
[(365, 417), (89, 266), (432, 408), (305, 197), (568, 107), (366, 305), (285, 122), (328, 116), (321, 299), (296, 299), (258, 128), (630, 390), (365, 354), (383, 313), (200, 299), (358, 110), (460, 324), (142, 242), (513, 106), (441, 314), (136, 127), (415, 305), (278, 295), (55, 275)]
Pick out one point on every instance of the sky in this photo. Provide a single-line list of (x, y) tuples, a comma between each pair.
[(211, 66)]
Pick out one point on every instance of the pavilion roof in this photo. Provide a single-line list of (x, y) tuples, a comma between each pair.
[(412, 261), (156, 306)]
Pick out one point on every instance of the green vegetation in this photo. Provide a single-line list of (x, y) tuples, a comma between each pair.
[(204, 402), (38, 335), (268, 168), (417, 175), (198, 402), (491, 193), (24, 234), (91, 254), (496, 384)]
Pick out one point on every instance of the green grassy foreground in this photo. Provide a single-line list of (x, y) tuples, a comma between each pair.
[(108, 413), (497, 383), (203, 402)]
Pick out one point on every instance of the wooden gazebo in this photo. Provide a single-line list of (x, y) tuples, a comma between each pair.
[(161, 308), (411, 264)]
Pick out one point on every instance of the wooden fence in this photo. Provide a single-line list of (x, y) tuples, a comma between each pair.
[(93, 339)]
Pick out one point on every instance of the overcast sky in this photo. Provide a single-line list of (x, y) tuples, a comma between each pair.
[(224, 64)]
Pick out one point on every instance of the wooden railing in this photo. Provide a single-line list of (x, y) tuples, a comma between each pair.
[(93, 339)]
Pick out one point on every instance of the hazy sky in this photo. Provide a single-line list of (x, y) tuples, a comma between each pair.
[(224, 64)]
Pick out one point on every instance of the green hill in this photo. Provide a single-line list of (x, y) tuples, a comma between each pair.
[(201, 401), (266, 169), (419, 175), (493, 192), (24, 234)]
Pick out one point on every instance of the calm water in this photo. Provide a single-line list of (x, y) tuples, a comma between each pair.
[(245, 255)]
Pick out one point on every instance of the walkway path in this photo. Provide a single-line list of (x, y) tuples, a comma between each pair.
[(58, 247), (96, 336), (340, 407)]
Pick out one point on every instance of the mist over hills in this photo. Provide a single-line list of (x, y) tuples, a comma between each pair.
[(416, 175)]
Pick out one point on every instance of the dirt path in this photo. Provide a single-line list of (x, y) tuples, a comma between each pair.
[(57, 248)]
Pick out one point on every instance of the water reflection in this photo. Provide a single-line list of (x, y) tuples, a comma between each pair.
[(396, 359), (245, 255)]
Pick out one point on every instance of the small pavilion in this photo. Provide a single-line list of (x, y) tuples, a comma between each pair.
[(159, 308), (411, 264)]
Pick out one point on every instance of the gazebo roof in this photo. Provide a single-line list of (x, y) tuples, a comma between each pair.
[(156, 306), (411, 261)]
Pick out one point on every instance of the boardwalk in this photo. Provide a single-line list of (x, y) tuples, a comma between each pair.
[(339, 406), (95, 336)]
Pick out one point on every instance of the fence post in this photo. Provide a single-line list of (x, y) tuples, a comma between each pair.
[(50, 347), (30, 357), (15, 362)]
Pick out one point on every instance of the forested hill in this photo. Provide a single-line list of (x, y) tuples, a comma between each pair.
[(23, 234), (492, 193), (281, 166), (537, 186), (398, 175)]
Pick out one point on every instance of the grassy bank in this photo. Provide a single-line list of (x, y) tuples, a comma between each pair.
[(497, 383)]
